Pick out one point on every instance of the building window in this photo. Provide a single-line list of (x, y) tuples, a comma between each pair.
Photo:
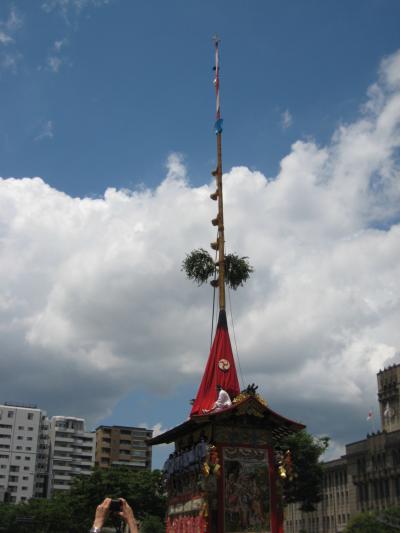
[(30, 416), (10, 414), (138, 453), (397, 486), (21, 427)]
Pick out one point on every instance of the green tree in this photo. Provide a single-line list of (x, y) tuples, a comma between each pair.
[(375, 522), (142, 489), (366, 523), (73, 511), (152, 524), (305, 487)]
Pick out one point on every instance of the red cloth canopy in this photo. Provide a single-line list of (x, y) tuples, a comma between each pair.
[(220, 370)]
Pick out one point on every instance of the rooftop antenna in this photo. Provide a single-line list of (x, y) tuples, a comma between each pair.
[(219, 245)]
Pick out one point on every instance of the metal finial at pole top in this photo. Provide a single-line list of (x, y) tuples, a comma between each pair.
[(219, 221)]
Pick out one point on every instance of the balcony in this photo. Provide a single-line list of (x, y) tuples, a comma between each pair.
[(83, 463), (56, 486), (61, 477), (135, 463), (64, 439), (61, 467), (59, 448)]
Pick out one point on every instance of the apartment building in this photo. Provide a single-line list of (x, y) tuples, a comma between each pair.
[(23, 452), (123, 446), (72, 451), (366, 478)]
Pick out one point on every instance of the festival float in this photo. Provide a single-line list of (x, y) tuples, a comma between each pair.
[(225, 475)]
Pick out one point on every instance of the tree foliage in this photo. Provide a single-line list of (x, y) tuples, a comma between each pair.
[(305, 487), (200, 267), (73, 511), (375, 521), (237, 270)]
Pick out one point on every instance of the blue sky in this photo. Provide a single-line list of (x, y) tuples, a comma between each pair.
[(132, 83), (99, 94)]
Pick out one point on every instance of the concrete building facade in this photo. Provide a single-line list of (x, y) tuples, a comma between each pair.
[(23, 452), (123, 446), (72, 451), (367, 477)]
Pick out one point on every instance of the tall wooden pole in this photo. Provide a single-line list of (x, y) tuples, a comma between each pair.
[(219, 220), (221, 233)]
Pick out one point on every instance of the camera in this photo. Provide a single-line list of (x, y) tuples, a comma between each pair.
[(115, 506)]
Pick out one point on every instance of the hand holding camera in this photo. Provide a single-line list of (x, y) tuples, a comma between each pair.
[(118, 507)]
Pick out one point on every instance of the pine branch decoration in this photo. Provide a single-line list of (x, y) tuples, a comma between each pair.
[(199, 266)]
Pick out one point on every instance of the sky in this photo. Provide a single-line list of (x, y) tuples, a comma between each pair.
[(106, 148)]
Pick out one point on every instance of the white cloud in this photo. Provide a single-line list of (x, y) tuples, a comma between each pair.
[(54, 63), (9, 59), (157, 428), (66, 5), (334, 451), (55, 58), (92, 299), (286, 119), (14, 21), (57, 45), (46, 131), (4, 38)]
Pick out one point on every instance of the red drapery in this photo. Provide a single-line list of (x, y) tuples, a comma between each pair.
[(220, 370)]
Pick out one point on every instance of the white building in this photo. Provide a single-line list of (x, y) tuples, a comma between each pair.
[(23, 452), (72, 451)]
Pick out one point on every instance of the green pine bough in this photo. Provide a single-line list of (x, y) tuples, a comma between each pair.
[(200, 267)]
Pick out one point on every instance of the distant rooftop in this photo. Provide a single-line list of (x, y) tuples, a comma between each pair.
[(396, 365), (64, 417), (21, 405), (124, 427)]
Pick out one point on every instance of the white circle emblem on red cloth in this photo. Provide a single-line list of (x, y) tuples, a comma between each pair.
[(224, 365)]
